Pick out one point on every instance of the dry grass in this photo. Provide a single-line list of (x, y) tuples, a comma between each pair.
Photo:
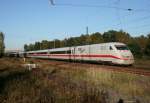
[(123, 85), (142, 64), (52, 84)]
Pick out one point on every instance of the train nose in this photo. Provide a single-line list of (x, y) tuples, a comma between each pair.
[(128, 59), (127, 55)]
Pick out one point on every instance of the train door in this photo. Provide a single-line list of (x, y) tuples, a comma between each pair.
[(89, 52), (79, 53), (69, 53), (73, 54)]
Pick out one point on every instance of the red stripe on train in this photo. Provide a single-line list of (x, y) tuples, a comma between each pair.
[(67, 55)]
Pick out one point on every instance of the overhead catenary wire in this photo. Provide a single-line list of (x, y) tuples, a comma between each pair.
[(139, 26), (86, 5), (51, 2), (136, 20), (98, 6), (117, 2), (118, 10), (140, 19), (104, 6), (94, 6), (118, 14), (132, 21)]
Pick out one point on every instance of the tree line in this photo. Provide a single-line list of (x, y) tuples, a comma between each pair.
[(140, 46), (2, 46)]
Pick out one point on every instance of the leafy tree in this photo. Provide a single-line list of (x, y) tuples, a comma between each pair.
[(77, 41), (73, 41), (37, 46), (31, 47), (44, 44), (57, 43), (96, 38), (84, 39), (135, 49), (50, 44), (122, 36), (2, 46), (70, 42), (65, 42), (110, 36), (147, 48), (116, 36), (62, 43), (142, 42), (26, 47)]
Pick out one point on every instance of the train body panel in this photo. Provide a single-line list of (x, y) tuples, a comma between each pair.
[(116, 53)]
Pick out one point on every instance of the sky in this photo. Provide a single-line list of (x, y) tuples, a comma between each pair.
[(28, 21)]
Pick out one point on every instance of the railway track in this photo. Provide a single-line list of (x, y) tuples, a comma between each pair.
[(65, 64), (131, 70)]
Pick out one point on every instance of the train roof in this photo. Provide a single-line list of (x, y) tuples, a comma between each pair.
[(68, 48), (104, 44), (46, 50)]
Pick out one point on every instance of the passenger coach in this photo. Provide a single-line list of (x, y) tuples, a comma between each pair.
[(115, 52)]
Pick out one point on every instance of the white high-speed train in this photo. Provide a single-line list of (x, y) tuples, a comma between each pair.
[(114, 52)]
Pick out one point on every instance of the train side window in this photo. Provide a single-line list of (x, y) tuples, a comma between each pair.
[(41, 53), (110, 48), (61, 52)]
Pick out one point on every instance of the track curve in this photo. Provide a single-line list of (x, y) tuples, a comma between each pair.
[(65, 64)]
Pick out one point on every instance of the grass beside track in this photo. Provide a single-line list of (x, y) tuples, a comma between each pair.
[(52, 84), (142, 64)]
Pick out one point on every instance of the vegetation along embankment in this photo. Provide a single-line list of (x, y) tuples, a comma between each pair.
[(52, 84)]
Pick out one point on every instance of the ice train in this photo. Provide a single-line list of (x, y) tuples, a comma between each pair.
[(114, 52)]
